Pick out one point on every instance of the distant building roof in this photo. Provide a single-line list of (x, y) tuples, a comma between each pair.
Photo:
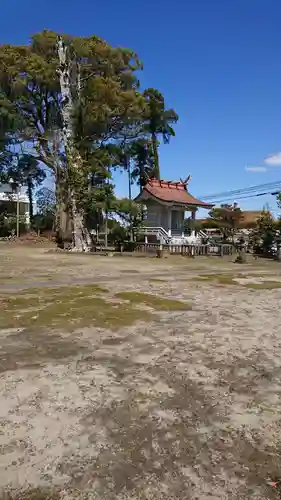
[(170, 192), (8, 194), (6, 197), (248, 218)]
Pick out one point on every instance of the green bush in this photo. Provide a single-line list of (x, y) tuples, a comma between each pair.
[(8, 223), (129, 246)]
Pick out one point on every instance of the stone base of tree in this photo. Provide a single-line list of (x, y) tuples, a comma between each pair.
[(241, 258)]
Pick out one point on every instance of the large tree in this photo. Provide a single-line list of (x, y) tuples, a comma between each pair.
[(69, 109), (71, 101), (158, 123)]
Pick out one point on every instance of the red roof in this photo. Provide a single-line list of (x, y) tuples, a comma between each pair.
[(172, 192)]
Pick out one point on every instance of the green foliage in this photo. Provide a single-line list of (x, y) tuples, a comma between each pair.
[(28, 171), (8, 224), (44, 219), (45, 201), (130, 213), (114, 125), (31, 92), (41, 223), (159, 121), (264, 235), (118, 234), (143, 160), (192, 225), (227, 218), (25, 170)]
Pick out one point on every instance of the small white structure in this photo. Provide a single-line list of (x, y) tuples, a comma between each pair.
[(166, 203), (9, 200)]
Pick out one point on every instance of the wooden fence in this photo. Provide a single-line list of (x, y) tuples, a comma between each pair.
[(188, 250)]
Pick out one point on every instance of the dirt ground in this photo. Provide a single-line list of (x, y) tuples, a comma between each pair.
[(138, 378)]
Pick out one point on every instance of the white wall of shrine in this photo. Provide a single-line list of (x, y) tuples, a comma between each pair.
[(169, 218)]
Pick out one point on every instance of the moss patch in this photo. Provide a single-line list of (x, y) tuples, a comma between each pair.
[(157, 280), (129, 271), (66, 308), (221, 279), (31, 494), (265, 285), (229, 279), (153, 301)]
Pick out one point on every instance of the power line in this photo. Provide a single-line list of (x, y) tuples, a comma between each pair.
[(270, 186), (244, 192), (230, 198), (248, 189)]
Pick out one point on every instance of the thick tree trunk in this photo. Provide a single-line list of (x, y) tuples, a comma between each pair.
[(69, 83), (81, 235), (63, 219), (156, 157)]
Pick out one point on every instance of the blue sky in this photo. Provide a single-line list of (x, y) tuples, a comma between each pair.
[(218, 63)]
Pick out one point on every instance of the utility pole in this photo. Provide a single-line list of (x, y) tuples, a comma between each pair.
[(106, 214), (106, 230), (16, 191), (128, 163), (18, 212)]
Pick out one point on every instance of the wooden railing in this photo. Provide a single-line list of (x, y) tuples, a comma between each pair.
[(188, 250)]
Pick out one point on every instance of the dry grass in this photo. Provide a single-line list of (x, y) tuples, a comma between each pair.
[(154, 301)]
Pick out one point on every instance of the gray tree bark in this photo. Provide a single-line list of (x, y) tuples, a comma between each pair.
[(63, 219), (70, 85)]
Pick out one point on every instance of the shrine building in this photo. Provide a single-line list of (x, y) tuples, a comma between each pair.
[(165, 205)]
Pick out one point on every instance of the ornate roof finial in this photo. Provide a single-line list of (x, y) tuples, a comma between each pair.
[(186, 181)]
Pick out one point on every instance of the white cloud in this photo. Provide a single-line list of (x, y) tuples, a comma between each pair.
[(255, 169), (273, 160)]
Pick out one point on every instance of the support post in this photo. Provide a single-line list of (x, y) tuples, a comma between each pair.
[(128, 167), (18, 214), (193, 218), (159, 252), (169, 222), (278, 249), (106, 230)]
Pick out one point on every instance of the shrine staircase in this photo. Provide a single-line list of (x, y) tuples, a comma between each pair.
[(175, 239), (159, 232)]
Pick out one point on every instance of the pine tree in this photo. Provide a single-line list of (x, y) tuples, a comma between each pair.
[(69, 120), (159, 123)]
